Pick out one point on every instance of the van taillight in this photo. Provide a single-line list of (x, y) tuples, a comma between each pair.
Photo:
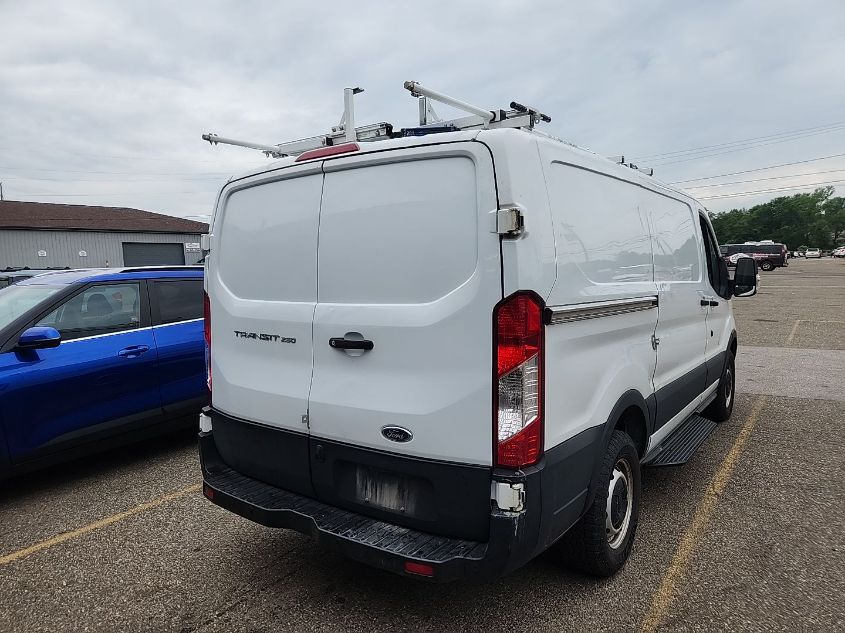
[(518, 418), (207, 336)]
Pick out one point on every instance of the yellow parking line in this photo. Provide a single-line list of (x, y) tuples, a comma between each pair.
[(792, 333), (662, 600), (96, 525)]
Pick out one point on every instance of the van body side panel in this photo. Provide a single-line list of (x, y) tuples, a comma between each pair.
[(530, 258), (604, 255)]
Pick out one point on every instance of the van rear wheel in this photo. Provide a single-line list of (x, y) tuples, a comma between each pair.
[(599, 544)]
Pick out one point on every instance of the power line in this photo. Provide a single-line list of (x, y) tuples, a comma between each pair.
[(159, 179), (752, 193), (743, 182), (748, 171), (735, 149), (817, 128), (54, 148), (117, 173), (123, 193)]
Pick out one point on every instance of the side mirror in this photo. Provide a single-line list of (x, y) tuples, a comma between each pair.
[(39, 338), (745, 277)]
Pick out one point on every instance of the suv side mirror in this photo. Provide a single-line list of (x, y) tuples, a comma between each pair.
[(39, 338), (745, 277)]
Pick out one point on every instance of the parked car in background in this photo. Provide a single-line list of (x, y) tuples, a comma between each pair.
[(768, 255), (94, 358), (10, 275), (813, 253), (839, 252)]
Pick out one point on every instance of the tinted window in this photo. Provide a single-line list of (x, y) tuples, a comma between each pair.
[(100, 309), (711, 255), (178, 300)]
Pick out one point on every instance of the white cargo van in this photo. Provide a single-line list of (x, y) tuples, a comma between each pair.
[(443, 353)]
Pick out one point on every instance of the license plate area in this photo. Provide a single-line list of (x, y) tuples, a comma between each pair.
[(385, 490), (379, 489), (440, 498)]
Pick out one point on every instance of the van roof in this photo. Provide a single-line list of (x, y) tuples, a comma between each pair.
[(602, 162)]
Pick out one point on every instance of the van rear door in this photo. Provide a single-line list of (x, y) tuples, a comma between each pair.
[(408, 275), (262, 283)]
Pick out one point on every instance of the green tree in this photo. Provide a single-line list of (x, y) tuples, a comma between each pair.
[(816, 218)]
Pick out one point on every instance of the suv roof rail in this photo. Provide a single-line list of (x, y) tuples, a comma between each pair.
[(141, 269), (518, 116)]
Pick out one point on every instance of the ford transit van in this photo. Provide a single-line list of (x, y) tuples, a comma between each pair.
[(444, 353)]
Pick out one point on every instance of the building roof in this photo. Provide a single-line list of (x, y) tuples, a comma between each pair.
[(80, 217)]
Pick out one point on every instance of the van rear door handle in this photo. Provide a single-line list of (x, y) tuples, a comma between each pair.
[(345, 343)]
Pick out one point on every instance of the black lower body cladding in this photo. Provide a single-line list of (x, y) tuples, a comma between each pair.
[(454, 527)]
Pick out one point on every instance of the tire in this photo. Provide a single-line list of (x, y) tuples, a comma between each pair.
[(767, 265), (722, 407), (590, 546)]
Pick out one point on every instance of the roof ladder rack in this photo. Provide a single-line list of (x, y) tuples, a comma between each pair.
[(343, 132), (518, 116)]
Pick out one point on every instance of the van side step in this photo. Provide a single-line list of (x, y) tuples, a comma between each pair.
[(682, 444)]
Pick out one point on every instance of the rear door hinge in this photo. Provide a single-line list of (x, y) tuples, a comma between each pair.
[(654, 341), (508, 221), (206, 240), (509, 497)]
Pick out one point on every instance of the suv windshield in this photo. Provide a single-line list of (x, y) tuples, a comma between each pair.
[(15, 300)]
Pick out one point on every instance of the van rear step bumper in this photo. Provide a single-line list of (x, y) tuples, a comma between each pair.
[(361, 538)]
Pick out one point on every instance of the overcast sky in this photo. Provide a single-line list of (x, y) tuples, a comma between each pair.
[(104, 102)]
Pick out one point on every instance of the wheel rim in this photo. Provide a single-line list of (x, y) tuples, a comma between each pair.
[(620, 504), (729, 387)]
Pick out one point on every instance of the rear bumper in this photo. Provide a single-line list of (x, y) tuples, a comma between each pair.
[(512, 542)]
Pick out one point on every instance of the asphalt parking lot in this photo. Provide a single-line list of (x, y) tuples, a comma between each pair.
[(749, 535)]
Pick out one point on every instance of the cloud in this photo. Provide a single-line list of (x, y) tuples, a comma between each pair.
[(127, 88)]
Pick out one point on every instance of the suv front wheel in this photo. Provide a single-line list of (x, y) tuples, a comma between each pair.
[(767, 265)]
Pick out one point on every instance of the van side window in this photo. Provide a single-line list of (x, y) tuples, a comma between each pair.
[(711, 253), (100, 309)]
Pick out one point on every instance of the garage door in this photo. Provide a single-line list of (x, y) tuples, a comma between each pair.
[(147, 254)]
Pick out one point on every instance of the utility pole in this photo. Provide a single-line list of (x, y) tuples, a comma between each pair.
[(1, 190)]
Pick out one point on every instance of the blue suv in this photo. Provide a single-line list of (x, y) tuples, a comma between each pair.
[(90, 359)]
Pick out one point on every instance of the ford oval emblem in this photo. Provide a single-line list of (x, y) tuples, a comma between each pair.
[(397, 434)]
